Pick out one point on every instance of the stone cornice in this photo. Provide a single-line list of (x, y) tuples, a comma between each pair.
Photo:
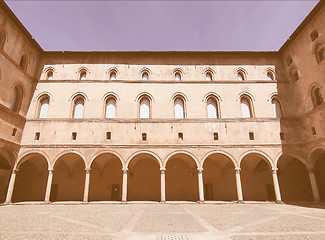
[(164, 81), (154, 120)]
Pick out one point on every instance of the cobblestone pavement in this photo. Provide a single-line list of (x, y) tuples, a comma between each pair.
[(169, 221)]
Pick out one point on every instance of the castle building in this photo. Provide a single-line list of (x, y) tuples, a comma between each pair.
[(162, 126)]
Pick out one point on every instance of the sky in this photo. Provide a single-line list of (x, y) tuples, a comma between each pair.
[(170, 25)]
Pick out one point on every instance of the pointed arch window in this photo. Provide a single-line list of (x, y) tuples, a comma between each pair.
[(320, 52), (78, 107), (112, 75), (17, 99), (2, 38), (179, 108), (43, 107), (49, 75), (246, 107), (83, 75), (110, 108), (277, 110), (212, 108), (208, 76), (23, 62), (145, 76), (144, 108), (178, 76), (240, 76), (270, 76), (317, 97)]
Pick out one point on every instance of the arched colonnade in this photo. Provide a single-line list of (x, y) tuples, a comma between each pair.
[(254, 176)]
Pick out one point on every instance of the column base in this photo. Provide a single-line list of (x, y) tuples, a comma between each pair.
[(240, 201), (7, 203), (47, 202), (279, 202), (85, 202), (124, 201), (200, 201), (163, 201)]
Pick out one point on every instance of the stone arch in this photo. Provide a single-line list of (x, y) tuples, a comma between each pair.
[(143, 176), (182, 152), (68, 176), (226, 154), (21, 159), (119, 156), (81, 70), (66, 152), (316, 160), (6, 166), (144, 152), (294, 154), (105, 176), (110, 71), (256, 176), (259, 152), (31, 179), (219, 176), (181, 176), (293, 177)]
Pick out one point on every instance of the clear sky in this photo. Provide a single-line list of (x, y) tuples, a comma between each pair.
[(161, 25)]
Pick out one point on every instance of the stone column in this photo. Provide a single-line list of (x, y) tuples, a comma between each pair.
[(313, 183), (238, 184), (86, 190), (276, 185), (162, 185), (201, 189), (11, 186), (48, 187), (125, 185)]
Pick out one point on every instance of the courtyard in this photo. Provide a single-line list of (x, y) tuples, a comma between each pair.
[(169, 221)]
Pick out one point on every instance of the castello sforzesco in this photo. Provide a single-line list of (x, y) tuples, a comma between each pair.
[(162, 125)]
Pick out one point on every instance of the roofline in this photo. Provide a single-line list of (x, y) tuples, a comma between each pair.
[(302, 25), (22, 28), (164, 52)]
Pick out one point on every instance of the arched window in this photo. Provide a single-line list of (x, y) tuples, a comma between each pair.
[(246, 108), (277, 111), (145, 76), (110, 108), (83, 75), (270, 76), (317, 97), (2, 38), (320, 52), (179, 108), (212, 108), (240, 76), (49, 75), (144, 108), (208, 76), (43, 107), (112, 76), (178, 76), (17, 99), (23, 62), (78, 107), (294, 75)]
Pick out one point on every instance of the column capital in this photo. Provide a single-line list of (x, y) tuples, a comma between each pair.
[(199, 170), (274, 170), (87, 171), (50, 171), (237, 170), (162, 170), (15, 170), (125, 170)]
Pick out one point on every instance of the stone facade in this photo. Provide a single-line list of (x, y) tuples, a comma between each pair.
[(187, 126)]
